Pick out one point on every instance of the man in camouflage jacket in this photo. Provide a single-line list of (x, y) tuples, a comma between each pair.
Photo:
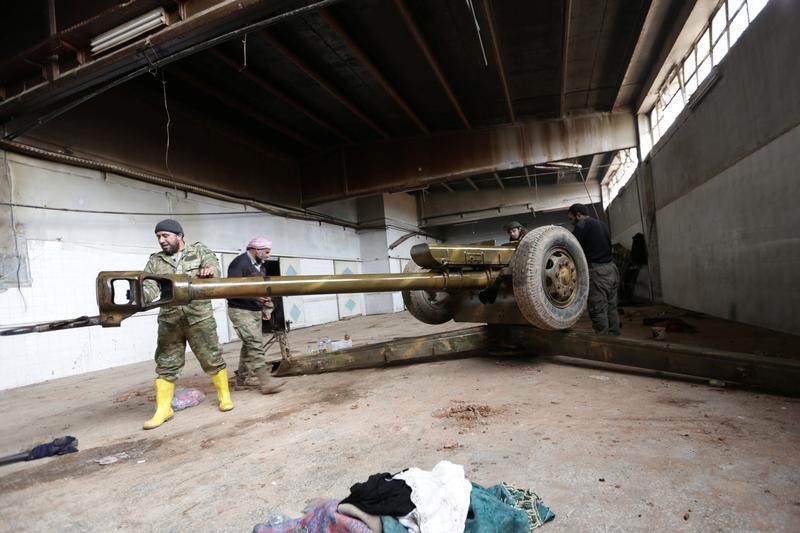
[(178, 324)]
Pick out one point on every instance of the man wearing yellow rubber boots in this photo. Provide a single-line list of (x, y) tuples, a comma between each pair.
[(178, 324)]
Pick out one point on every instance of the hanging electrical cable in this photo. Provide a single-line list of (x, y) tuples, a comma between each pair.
[(162, 61), (591, 201), (478, 30), (166, 110), (7, 172)]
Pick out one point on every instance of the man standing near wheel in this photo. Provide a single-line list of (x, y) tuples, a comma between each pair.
[(595, 239), (515, 230)]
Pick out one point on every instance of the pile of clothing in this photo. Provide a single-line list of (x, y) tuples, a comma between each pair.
[(441, 500)]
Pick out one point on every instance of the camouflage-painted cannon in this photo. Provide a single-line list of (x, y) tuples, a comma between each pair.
[(543, 280)]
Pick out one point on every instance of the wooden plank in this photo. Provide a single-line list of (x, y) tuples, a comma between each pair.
[(771, 374), (451, 344)]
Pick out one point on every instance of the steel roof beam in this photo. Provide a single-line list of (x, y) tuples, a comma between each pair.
[(268, 86), (359, 170), (564, 55), (487, 9), (426, 51), (245, 109), (308, 71), (373, 69), (464, 206), (207, 28), (499, 181), (635, 45)]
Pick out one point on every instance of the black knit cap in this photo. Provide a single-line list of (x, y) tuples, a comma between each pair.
[(511, 225), (577, 209), (172, 226)]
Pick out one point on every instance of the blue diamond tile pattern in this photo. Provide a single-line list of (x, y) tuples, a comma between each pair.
[(295, 313), (350, 305), (291, 271)]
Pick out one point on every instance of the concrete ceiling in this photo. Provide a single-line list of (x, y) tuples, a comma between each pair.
[(298, 102)]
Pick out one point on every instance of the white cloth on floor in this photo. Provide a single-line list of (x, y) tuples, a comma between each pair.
[(409, 521), (441, 496)]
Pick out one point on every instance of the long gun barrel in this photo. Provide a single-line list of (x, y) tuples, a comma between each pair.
[(181, 289), (543, 280)]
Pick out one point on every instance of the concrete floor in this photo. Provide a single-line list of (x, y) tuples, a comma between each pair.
[(607, 451)]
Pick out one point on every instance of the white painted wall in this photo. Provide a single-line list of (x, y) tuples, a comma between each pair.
[(66, 250), (398, 213)]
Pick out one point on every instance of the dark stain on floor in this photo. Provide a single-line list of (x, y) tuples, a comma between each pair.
[(75, 465)]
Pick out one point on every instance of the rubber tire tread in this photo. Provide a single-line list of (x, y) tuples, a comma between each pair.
[(419, 305), (526, 276)]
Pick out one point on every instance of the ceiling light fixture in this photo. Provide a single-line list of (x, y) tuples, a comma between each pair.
[(125, 32), (563, 164)]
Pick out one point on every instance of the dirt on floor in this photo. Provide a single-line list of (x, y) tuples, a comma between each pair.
[(607, 451)]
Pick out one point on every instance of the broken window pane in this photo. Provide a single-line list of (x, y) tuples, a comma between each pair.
[(688, 66), (672, 87)]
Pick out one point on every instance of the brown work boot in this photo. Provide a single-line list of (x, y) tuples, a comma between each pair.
[(245, 382), (267, 383)]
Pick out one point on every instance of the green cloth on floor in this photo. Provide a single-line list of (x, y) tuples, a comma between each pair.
[(491, 511), (526, 501), (392, 525), (498, 509)]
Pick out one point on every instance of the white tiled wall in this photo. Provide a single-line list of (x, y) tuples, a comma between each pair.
[(67, 249), (63, 287)]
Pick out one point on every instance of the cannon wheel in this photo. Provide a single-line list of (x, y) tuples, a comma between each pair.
[(425, 306), (550, 278)]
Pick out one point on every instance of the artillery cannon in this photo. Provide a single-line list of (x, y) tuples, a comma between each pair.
[(543, 280)]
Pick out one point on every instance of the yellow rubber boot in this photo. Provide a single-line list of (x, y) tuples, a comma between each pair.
[(220, 381), (164, 391)]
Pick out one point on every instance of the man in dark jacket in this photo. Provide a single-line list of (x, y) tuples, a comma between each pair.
[(595, 240), (245, 314)]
